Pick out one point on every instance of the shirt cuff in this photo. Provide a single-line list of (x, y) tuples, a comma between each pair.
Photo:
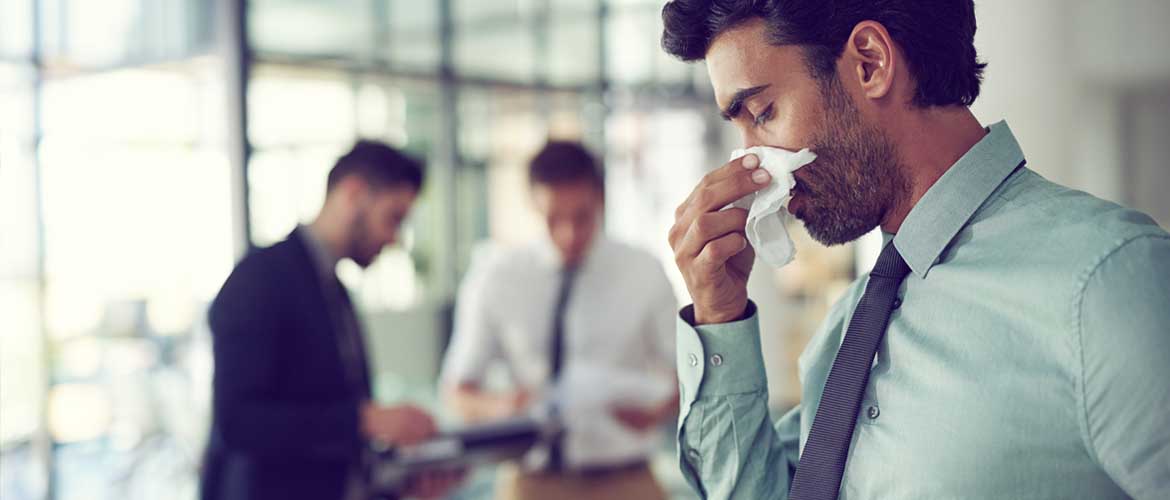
[(719, 359)]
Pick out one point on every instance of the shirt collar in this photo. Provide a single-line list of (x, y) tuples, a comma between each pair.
[(956, 196), (548, 254), (323, 259)]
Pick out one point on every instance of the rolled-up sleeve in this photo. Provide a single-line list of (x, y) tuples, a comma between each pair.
[(728, 446), (1123, 319), (474, 343)]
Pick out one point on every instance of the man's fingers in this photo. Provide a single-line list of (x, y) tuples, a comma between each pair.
[(716, 253), (742, 167), (707, 227), (422, 431), (731, 169), (725, 191), (433, 484), (416, 430), (422, 422)]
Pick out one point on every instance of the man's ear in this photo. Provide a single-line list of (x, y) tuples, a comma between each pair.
[(354, 190), (869, 51)]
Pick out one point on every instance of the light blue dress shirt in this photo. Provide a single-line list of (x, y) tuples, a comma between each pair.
[(1030, 356)]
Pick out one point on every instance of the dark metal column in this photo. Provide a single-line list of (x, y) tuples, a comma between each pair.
[(42, 440), (603, 83), (447, 158), (237, 62)]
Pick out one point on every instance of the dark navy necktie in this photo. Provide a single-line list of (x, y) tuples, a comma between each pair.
[(818, 476), (557, 361)]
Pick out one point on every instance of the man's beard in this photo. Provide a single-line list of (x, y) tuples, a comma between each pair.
[(856, 179), (359, 241)]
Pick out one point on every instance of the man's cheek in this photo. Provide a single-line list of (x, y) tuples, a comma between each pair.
[(789, 134)]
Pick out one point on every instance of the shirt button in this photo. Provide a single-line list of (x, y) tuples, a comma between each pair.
[(872, 412), (694, 359), (693, 455), (897, 303), (716, 360)]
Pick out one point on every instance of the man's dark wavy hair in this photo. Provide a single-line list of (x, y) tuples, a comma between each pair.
[(379, 165), (936, 36)]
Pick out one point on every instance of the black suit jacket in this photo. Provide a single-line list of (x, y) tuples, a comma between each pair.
[(285, 415)]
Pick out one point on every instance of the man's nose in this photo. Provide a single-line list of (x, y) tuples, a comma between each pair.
[(749, 138)]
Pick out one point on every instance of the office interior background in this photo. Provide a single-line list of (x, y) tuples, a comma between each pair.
[(145, 145)]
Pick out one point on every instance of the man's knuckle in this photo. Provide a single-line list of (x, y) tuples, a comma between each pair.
[(718, 250), (676, 231), (705, 258), (704, 225), (704, 197)]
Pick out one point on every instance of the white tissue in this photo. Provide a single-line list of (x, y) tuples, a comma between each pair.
[(765, 224)]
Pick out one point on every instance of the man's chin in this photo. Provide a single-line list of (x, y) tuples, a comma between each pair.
[(835, 235)]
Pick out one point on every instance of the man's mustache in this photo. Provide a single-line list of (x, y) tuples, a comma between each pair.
[(802, 184)]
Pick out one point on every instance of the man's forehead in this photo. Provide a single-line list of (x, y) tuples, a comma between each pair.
[(742, 57), (738, 41), (395, 195)]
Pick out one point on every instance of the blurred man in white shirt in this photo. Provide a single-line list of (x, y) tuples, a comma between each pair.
[(579, 322)]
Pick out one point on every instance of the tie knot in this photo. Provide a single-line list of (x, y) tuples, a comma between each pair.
[(568, 274), (890, 264)]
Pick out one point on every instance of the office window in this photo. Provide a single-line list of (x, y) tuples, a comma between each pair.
[(497, 39), (22, 367), (634, 52), (477, 50), (472, 14), (18, 252), (339, 29), (573, 56), (83, 33), (138, 239), (411, 29), (16, 16)]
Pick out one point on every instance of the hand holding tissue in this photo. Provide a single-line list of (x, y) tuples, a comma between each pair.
[(765, 224)]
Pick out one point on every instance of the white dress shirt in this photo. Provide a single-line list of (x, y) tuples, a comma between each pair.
[(618, 333)]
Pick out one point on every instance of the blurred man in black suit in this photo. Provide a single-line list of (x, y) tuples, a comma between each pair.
[(292, 410)]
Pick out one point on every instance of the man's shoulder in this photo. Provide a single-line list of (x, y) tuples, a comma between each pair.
[(267, 259), (1079, 225), (262, 269), (621, 252), (629, 267), (495, 259)]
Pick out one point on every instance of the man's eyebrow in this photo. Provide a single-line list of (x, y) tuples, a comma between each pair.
[(737, 100)]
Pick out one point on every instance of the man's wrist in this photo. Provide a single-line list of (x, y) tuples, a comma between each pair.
[(704, 316)]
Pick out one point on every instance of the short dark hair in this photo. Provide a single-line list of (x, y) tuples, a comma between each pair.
[(564, 162), (937, 36), (377, 164)]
